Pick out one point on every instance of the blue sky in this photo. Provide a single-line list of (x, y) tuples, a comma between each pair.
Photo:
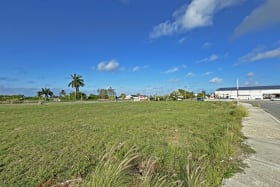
[(138, 46)]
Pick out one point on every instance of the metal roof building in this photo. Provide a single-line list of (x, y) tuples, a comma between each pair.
[(249, 93)]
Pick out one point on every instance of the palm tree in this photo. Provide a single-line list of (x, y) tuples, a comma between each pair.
[(76, 82), (62, 93), (46, 92)]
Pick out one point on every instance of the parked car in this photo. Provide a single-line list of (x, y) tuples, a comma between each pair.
[(275, 99), (200, 99)]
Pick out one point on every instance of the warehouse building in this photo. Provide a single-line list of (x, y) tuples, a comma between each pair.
[(249, 93)]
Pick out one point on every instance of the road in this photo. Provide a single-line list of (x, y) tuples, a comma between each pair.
[(272, 107)]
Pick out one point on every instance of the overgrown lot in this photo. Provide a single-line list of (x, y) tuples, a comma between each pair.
[(121, 144)]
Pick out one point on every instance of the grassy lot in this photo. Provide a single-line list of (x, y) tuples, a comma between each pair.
[(120, 144)]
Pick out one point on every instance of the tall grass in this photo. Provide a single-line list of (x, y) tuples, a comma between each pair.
[(112, 172), (166, 143), (192, 173)]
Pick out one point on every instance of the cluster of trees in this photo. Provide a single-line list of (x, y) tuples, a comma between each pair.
[(181, 94), (108, 93), (11, 99), (76, 83)]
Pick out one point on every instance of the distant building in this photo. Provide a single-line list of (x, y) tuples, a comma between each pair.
[(136, 97), (249, 93)]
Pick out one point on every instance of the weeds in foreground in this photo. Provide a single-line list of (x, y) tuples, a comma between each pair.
[(240, 111), (192, 173), (130, 169), (110, 171), (136, 170)]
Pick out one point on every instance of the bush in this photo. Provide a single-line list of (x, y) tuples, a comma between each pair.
[(80, 96), (93, 97), (11, 99)]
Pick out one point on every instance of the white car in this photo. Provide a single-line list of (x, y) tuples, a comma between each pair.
[(275, 99)]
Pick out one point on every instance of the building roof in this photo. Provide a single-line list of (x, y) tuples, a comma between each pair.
[(275, 87)]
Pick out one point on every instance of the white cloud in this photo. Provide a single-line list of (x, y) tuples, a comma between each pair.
[(190, 74), (216, 80), (257, 55), (206, 45), (172, 70), (182, 40), (250, 74), (211, 58), (249, 83), (199, 13), (251, 80), (261, 17), (184, 66), (164, 29), (112, 65), (207, 73), (173, 80), (136, 68)]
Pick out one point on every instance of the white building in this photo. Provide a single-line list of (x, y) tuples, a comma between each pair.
[(136, 97), (249, 93)]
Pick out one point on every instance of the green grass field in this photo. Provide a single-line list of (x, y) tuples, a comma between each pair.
[(140, 144)]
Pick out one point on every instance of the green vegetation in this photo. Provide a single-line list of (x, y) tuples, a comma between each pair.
[(46, 92), (11, 99), (76, 83), (108, 93), (182, 94), (121, 144)]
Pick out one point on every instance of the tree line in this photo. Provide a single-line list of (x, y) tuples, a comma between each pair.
[(77, 81)]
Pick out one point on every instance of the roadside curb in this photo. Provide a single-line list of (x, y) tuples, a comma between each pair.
[(263, 135), (274, 118)]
